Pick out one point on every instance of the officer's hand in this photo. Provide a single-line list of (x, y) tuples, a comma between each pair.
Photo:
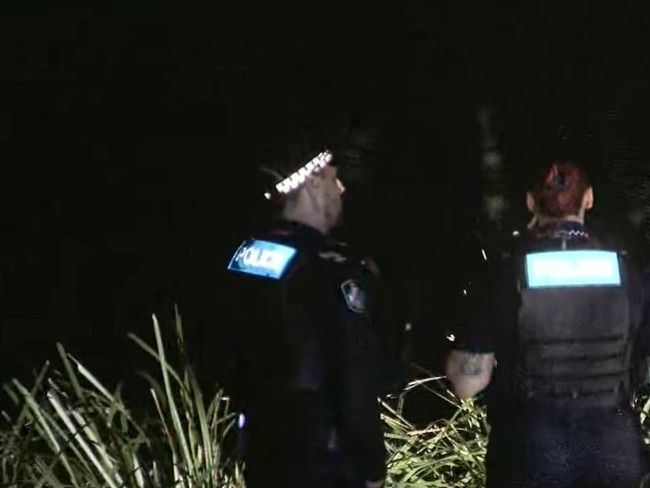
[(375, 484)]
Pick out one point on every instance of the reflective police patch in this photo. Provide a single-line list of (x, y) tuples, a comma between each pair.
[(262, 258), (572, 268), (355, 297)]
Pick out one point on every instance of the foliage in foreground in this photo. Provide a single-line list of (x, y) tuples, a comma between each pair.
[(447, 453), (72, 432)]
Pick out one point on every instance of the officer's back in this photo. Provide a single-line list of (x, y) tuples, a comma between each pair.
[(561, 315), (306, 354)]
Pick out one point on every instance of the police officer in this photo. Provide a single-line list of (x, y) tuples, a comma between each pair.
[(561, 315), (307, 355)]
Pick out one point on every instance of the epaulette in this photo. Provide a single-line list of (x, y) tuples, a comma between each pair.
[(340, 252), (332, 255), (335, 251), (371, 265)]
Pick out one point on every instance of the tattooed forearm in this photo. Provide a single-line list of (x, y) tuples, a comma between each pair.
[(472, 365)]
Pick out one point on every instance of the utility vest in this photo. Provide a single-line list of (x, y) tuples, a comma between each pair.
[(573, 333)]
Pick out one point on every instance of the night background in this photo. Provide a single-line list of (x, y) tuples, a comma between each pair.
[(131, 141)]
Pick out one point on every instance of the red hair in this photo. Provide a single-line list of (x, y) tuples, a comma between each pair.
[(560, 190)]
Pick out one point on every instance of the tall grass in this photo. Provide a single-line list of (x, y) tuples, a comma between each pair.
[(71, 431), (447, 453)]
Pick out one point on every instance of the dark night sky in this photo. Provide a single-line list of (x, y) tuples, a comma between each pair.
[(128, 139)]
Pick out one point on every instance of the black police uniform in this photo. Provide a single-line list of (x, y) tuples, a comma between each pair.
[(307, 361), (559, 401)]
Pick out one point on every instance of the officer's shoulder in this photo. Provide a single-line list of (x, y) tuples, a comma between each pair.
[(341, 253), (271, 237), (517, 244), (634, 268), (268, 254), (337, 252)]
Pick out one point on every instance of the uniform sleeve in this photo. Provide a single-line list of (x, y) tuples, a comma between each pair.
[(642, 339), (361, 382), (639, 305), (488, 308)]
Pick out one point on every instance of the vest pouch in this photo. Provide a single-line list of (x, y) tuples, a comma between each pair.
[(573, 346)]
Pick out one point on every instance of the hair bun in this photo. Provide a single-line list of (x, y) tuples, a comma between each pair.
[(561, 189), (556, 177)]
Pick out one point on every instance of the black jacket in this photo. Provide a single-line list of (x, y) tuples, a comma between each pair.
[(307, 348)]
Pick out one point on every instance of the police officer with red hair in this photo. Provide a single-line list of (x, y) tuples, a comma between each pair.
[(558, 326)]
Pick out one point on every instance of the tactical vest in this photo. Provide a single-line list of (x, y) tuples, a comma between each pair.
[(573, 334)]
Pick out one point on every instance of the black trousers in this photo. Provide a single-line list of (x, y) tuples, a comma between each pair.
[(593, 449), (287, 447)]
